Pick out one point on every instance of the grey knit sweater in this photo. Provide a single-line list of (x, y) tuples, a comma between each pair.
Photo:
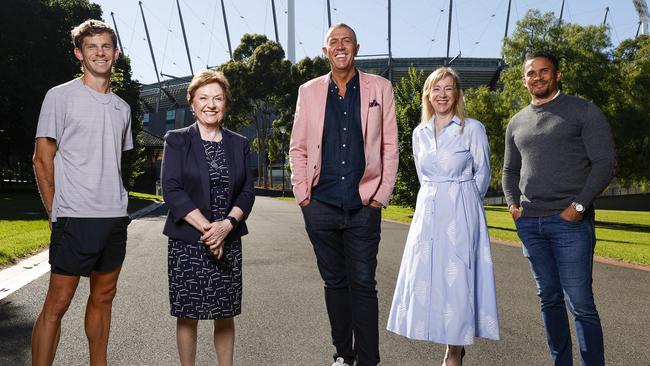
[(557, 153)]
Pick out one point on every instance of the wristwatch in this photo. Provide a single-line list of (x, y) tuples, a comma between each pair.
[(232, 220), (578, 206)]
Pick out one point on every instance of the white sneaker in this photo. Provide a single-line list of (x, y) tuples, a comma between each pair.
[(340, 362)]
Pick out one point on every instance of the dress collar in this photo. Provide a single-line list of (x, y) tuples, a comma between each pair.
[(431, 123)]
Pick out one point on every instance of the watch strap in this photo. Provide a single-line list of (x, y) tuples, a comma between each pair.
[(232, 220), (579, 207)]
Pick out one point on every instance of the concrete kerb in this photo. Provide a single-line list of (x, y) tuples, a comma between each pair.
[(27, 270), (144, 211), (31, 268)]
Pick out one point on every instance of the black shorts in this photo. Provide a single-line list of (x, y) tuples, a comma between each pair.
[(79, 246)]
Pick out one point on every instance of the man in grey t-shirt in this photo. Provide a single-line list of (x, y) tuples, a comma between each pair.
[(559, 156), (82, 130)]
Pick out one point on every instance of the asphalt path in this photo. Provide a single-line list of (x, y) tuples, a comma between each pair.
[(283, 320)]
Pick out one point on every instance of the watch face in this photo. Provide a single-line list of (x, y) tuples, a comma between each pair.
[(580, 208)]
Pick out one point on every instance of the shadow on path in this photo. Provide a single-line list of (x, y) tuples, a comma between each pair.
[(15, 335)]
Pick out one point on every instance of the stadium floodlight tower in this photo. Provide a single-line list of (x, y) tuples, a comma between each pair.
[(644, 16), (291, 31)]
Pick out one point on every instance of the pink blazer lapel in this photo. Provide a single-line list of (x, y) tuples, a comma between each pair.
[(320, 98), (365, 100)]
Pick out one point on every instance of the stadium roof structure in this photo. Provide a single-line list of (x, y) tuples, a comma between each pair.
[(473, 72), (151, 140)]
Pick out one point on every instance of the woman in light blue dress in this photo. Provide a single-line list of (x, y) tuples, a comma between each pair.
[(445, 290)]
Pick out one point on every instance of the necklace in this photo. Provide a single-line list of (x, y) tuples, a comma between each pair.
[(212, 159)]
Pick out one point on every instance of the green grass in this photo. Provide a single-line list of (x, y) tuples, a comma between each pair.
[(622, 235), (398, 213), (23, 224), (500, 224), (141, 200)]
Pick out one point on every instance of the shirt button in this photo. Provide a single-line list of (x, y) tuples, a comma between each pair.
[(342, 178), (343, 145), (345, 113), (343, 162), (345, 128)]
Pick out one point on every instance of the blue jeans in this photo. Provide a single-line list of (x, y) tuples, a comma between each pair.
[(346, 243), (561, 258)]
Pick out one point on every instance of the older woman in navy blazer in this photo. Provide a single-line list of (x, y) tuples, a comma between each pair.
[(208, 187)]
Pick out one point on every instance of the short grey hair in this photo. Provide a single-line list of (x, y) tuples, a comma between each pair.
[(337, 26)]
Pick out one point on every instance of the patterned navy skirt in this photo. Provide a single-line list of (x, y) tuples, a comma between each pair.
[(201, 286)]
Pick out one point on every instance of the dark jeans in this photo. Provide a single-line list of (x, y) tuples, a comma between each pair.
[(346, 245), (561, 257)]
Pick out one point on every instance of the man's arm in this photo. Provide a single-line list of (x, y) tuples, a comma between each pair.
[(599, 145), (44, 151), (298, 153), (390, 151), (511, 174)]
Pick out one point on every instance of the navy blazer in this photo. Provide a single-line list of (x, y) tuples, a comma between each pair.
[(186, 183)]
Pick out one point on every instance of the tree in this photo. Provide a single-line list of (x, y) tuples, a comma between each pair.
[(301, 72), (585, 63), (488, 107), (628, 110), (258, 77), (265, 89), (37, 55), (128, 89), (408, 101), (582, 51), (31, 32)]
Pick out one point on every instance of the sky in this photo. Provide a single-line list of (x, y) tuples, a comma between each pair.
[(419, 27)]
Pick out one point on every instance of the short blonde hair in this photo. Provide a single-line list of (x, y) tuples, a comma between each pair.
[(439, 74), (208, 77)]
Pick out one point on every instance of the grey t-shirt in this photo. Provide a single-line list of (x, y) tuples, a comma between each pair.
[(557, 153), (91, 130)]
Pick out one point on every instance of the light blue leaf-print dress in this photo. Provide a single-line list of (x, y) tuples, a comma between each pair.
[(445, 290)]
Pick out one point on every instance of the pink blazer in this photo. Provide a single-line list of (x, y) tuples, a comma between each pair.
[(379, 128)]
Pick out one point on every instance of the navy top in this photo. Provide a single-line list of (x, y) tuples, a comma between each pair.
[(186, 181), (343, 161)]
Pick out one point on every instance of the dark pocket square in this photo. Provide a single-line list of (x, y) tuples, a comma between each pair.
[(373, 103)]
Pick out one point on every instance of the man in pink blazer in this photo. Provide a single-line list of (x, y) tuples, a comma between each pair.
[(343, 161)]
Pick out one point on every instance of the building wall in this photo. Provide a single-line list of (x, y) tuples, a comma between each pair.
[(158, 126)]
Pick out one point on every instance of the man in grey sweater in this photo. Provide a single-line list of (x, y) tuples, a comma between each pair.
[(559, 156)]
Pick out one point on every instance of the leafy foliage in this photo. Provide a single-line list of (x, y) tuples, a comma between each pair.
[(408, 98), (616, 80), (264, 86), (488, 107), (628, 109), (128, 89), (37, 55)]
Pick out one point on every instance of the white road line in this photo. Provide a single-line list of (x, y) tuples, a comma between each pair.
[(26, 271), (29, 269)]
